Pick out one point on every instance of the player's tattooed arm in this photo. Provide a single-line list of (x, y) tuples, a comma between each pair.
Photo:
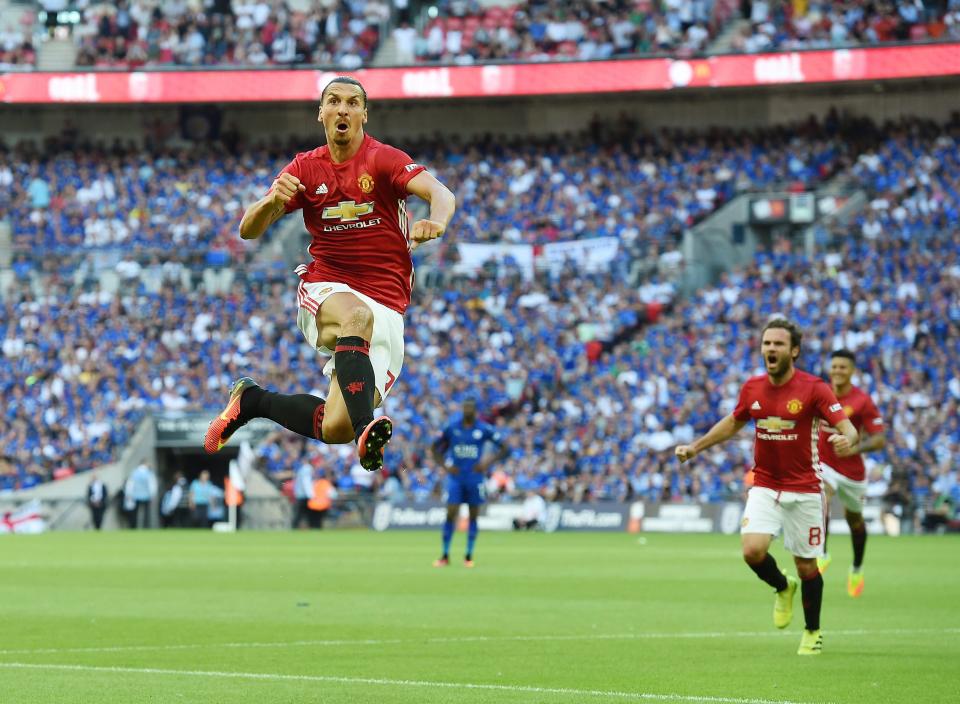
[(442, 202), (266, 211), (725, 428)]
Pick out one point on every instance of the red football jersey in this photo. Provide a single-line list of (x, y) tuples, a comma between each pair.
[(787, 420), (860, 409), (356, 213)]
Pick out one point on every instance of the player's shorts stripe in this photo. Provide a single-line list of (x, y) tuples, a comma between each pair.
[(305, 301)]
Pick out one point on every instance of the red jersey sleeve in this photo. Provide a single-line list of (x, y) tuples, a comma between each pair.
[(742, 410), (872, 420), (827, 405), (398, 167), (293, 168)]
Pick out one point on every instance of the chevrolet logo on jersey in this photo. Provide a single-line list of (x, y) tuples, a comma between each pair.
[(775, 424), (348, 211)]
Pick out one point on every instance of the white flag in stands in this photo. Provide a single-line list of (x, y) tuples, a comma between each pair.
[(26, 519)]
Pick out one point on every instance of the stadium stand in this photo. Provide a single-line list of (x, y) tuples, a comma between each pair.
[(591, 404), (16, 48), (130, 35), (777, 26), (539, 31)]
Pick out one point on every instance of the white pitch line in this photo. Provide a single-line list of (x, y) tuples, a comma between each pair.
[(473, 639), (333, 679)]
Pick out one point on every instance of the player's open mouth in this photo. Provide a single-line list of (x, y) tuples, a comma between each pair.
[(342, 127), (771, 359)]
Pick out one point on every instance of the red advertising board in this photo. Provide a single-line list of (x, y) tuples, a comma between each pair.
[(271, 85)]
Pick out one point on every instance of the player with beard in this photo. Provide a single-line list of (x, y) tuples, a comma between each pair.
[(787, 407), (846, 477), (353, 295)]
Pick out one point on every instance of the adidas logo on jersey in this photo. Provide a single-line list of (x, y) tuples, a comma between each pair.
[(755, 406), (321, 190)]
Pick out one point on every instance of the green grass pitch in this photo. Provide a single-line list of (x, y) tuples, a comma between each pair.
[(356, 616)]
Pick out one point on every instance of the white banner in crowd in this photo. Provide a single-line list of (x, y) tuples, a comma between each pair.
[(26, 519), (474, 256), (589, 255)]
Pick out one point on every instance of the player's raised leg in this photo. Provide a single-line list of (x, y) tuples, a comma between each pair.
[(301, 413), (345, 325), (858, 534), (449, 526)]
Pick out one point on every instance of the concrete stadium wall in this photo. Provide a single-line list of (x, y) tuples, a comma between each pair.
[(935, 99)]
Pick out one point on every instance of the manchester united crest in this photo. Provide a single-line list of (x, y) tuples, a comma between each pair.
[(794, 406), (365, 182), (848, 411)]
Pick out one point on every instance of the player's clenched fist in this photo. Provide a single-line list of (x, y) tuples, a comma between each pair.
[(286, 187), (685, 452), (425, 230), (841, 445)]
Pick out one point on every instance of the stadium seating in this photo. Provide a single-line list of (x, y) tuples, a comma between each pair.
[(186, 201), (130, 35), (598, 373), (16, 48), (536, 30), (777, 26)]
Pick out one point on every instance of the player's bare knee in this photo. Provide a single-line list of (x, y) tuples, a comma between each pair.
[(753, 555), (806, 566), (855, 521), (358, 322)]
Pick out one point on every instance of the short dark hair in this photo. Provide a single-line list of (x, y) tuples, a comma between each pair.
[(845, 354), (350, 82), (796, 337)]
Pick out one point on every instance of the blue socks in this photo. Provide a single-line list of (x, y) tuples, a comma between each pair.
[(448, 527), (472, 531), (448, 530)]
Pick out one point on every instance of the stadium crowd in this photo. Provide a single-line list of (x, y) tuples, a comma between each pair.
[(129, 34), (779, 26), (128, 204), (536, 30), (605, 382), (16, 48)]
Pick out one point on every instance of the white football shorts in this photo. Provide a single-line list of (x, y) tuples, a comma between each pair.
[(849, 492), (799, 515), (386, 347)]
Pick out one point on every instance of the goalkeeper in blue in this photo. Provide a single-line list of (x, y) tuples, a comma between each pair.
[(460, 449)]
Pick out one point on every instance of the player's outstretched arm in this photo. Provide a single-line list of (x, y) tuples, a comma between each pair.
[(442, 202), (845, 439), (725, 428), (266, 211)]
